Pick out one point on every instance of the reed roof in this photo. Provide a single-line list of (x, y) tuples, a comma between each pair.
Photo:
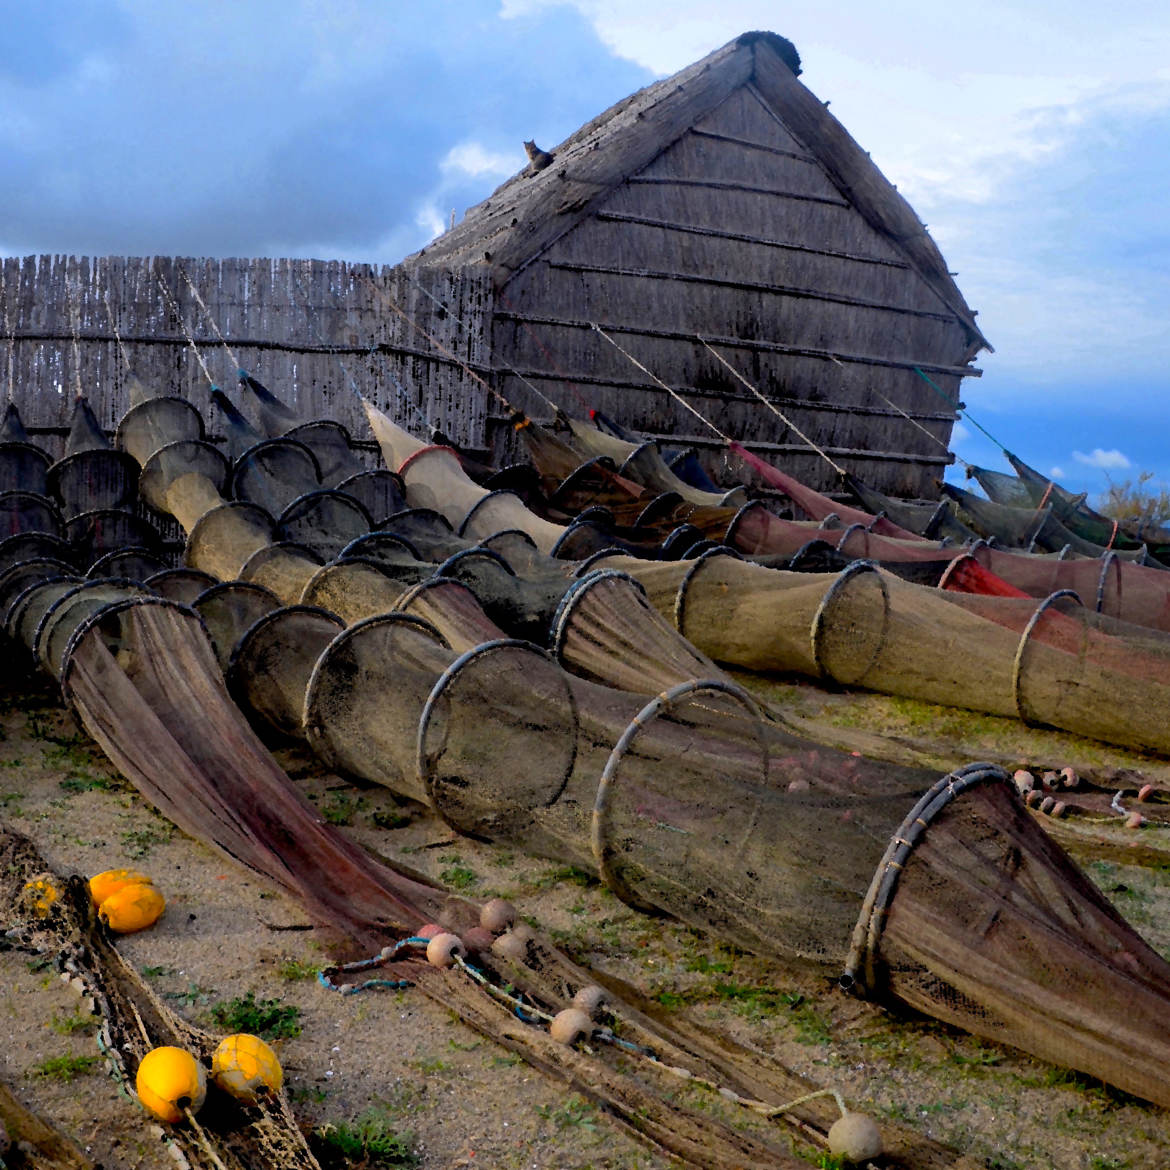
[(532, 210)]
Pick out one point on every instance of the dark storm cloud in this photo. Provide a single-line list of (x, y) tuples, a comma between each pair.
[(219, 129)]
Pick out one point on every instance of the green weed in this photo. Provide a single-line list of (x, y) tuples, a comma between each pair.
[(369, 1140), (294, 970), (67, 1025), (65, 1068), (265, 1017), (457, 875), (575, 1113)]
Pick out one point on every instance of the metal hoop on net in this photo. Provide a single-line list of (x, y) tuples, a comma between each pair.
[(599, 839), (861, 966)]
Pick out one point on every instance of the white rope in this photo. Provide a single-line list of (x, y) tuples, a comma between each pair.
[(511, 369), (72, 297), (773, 408), (186, 332), (659, 382), (207, 314), (403, 393), (117, 336)]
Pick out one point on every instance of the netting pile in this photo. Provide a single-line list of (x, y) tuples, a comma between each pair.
[(625, 750)]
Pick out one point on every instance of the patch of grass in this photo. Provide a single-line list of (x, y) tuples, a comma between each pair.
[(432, 1066), (314, 1093), (575, 1113), (370, 1140), (156, 972), (827, 1161), (340, 808), (294, 970), (390, 818), (138, 843), (708, 966), (65, 1068), (267, 1018), (85, 782), (457, 875), (756, 1002), (67, 1025), (979, 1057), (193, 995), (562, 875)]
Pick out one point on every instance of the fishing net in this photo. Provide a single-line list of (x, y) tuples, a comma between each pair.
[(284, 567), (273, 473), (137, 563), (23, 466), (933, 521), (30, 606), (136, 673), (644, 463), (332, 448), (92, 479), (325, 520), (270, 664), (59, 620), (357, 588), (815, 505), (379, 491), (434, 479), (180, 585), (693, 805), (22, 511), (228, 610), (25, 546)]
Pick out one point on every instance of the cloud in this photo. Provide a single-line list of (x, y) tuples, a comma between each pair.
[(959, 433), (1056, 472), (1105, 460), (287, 127)]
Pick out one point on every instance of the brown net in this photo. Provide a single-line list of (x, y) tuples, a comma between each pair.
[(358, 587), (325, 520), (270, 664), (230, 608), (136, 673), (273, 473), (284, 567)]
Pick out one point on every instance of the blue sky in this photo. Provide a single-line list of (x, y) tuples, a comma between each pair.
[(1032, 138)]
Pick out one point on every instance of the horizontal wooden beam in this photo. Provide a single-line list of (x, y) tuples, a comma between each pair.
[(747, 142), (786, 290), (573, 378), (803, 449), (744, 343), (381, 347), (717, 185), (741, 237)]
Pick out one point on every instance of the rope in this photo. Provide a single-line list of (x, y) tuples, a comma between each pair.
[(930, 434), (388, 300), (207, 314), (372, 350), (114, 328), (530, 1014), (10, 330), (772, 407), (186, 332), (510, 369), (72, 297), (966, 414), (659, 382)]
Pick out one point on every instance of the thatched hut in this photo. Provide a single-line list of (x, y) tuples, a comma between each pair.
[(726, 203)]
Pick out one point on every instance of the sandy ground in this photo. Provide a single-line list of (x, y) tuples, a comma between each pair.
[(460, 1101)]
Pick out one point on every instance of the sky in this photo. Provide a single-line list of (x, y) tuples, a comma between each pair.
[(1032, 138)]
